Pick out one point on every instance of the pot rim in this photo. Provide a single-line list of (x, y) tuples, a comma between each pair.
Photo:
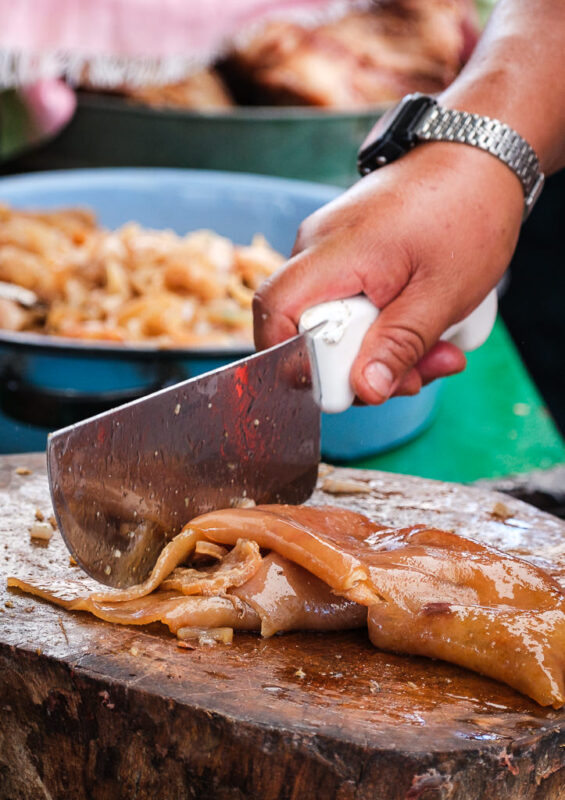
[(41, 343), (97, 100)]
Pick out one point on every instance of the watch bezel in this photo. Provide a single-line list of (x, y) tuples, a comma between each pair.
[(398, 137)]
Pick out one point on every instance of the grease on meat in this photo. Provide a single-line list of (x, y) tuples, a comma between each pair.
[(419, 590)]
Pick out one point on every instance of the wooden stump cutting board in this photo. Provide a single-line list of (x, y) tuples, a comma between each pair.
[(91, 710)]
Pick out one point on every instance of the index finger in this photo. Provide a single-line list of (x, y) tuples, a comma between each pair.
[(340, 266)]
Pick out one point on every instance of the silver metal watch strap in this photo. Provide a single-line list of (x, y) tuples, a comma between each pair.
[(497, 138)]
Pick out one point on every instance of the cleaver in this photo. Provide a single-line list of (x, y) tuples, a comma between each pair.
[(125, 482)]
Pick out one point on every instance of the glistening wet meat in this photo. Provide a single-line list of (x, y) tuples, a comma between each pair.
[(242, 592), (288, 598), (171, 608), (237, 567), (331, 543), (428, 592)]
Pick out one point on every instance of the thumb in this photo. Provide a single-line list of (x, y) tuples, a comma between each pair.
[(402, 334)]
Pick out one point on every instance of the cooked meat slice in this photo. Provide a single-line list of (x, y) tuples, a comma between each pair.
[(176, 552), (280, 596), (328, 542), (525, 649), (415, 566), (288, 598), (430, 592), (238, 566), (210, 549), (172, 609)]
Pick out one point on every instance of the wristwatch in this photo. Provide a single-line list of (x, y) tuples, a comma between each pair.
[(420, 118)]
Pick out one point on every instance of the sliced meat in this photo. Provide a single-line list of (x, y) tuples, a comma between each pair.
[(288, 598), (525, 649), (415, 566), (176, 552), (328, 542), (172, 609), (210, 550), (238, 566), (430, 592)]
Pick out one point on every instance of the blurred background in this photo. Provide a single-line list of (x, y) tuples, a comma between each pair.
[(288, 94)]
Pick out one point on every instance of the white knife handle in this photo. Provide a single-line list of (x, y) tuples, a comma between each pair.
[(474, 330), (337, 343)]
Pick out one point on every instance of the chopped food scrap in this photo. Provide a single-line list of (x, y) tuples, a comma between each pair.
[(242, 502), (340, 486), (23, 471), (185, 645), (41, 531), (501, 511), (207, 635), (204, 548)]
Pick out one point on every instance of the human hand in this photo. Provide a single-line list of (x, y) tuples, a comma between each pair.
[(425, 238)]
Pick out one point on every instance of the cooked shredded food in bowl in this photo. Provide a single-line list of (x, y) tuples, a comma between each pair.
[(130, 285)]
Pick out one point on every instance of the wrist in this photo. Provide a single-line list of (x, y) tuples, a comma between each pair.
[(496, 93), (420, 119)]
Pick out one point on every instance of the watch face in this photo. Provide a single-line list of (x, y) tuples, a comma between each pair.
[(394, 133), (396, 113), (388, 118)]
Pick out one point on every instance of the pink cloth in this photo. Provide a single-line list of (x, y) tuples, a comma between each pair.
[(149, 28), (124, 41)]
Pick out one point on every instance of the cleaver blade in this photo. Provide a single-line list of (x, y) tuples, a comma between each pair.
[(125, 482)]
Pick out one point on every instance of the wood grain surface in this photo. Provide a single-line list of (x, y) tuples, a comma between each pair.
[(91, 710)]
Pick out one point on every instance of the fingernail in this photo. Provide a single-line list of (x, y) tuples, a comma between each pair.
[(380, 378)]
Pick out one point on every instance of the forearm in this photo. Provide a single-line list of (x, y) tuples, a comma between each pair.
[(517, 74), (427, 236)]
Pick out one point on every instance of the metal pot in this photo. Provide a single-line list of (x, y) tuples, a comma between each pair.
[(47, 382), (306, 143)]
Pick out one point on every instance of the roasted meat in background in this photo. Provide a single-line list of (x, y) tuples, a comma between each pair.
[(358, 61), (204, 90), (355, 61)]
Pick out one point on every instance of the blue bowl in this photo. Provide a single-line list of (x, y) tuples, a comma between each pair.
[(46, 382)]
